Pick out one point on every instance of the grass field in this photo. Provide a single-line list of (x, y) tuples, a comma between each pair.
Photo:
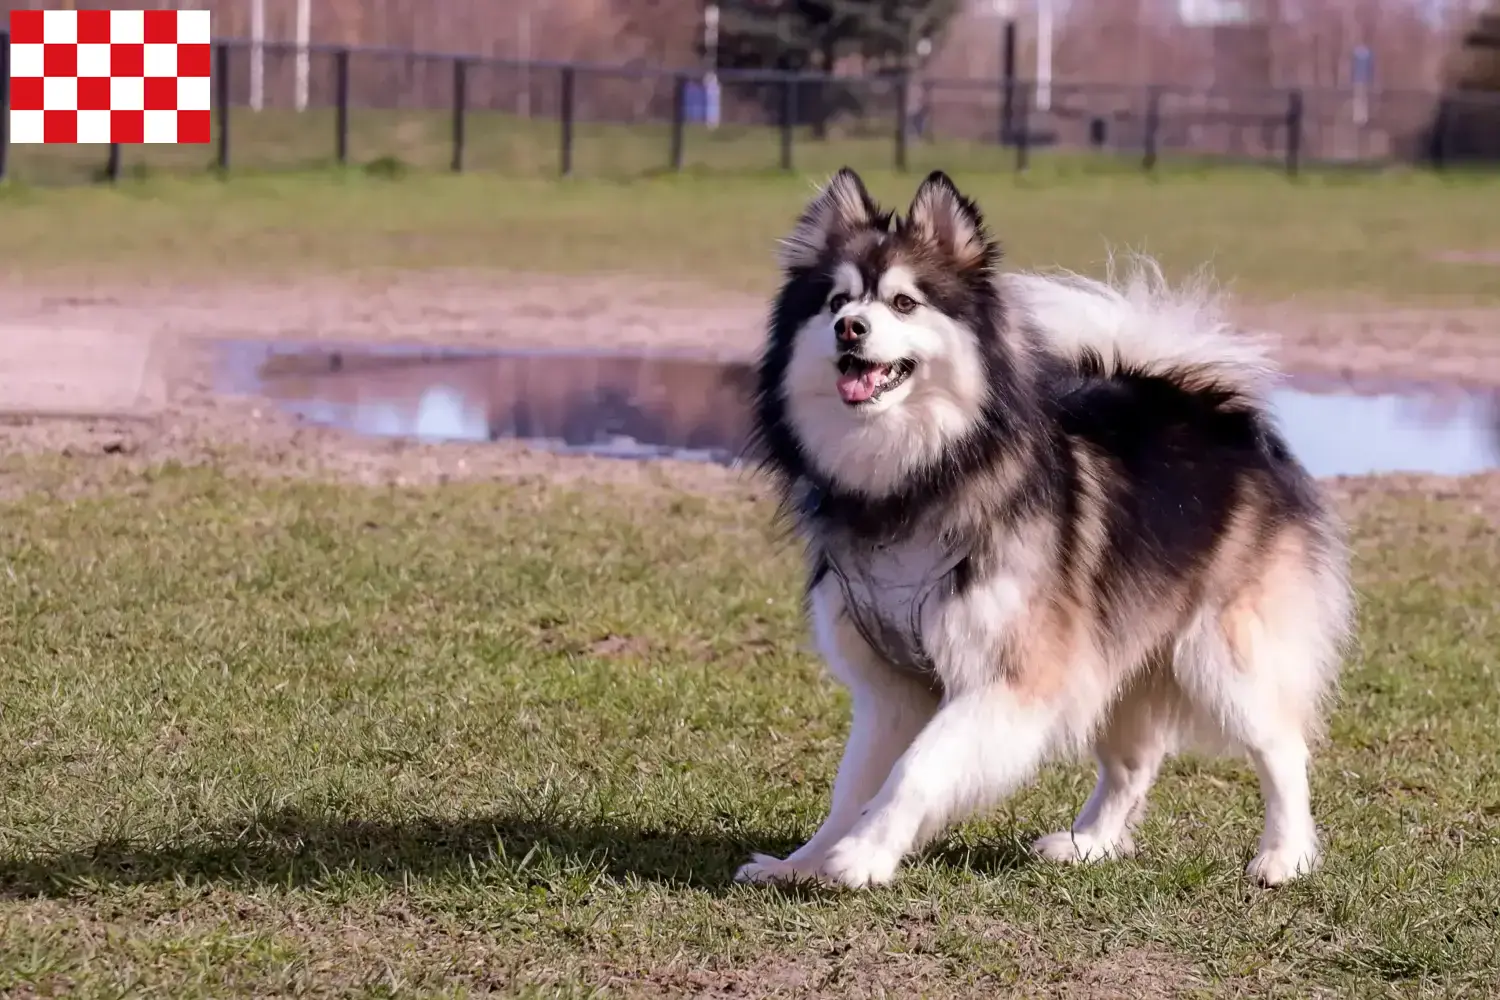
[(423, 139), (259, 740), (1392, 238), (495, 143), (268, 738)]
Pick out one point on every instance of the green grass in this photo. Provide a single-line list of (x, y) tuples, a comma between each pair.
[(499, 143), (423, 140), (263, 739), (1326, 238)]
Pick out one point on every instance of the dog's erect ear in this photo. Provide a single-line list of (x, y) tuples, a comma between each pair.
[(944, 218), (841, 207)]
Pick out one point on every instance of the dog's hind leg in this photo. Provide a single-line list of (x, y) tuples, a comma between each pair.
[(1130, 747), (890, 709), (1259, 669), (1238, 696)]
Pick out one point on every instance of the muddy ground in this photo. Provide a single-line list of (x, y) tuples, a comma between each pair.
[(184, 420)]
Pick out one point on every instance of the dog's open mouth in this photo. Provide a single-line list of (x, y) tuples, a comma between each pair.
[(863, 381)]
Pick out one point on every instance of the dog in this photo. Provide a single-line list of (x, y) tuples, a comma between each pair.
[(1042, 514)]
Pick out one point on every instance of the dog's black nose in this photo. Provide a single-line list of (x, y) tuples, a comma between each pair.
[(851, 329)]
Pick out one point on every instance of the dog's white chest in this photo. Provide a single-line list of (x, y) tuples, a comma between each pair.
[(887, 588)]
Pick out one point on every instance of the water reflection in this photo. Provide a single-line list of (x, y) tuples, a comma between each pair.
[(1428, 429), (685, 406)]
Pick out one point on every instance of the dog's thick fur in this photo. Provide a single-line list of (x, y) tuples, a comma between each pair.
[(1041, 514)]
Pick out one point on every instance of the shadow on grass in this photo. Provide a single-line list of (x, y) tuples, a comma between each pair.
[(987, 860), (293, 848)]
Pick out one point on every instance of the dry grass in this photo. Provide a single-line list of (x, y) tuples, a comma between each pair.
[(337, 740)]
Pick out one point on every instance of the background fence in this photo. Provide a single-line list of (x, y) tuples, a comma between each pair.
[(388, 110)]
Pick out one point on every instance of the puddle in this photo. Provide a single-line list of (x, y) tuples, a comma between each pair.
[(1356, 428), (627, 405), (692, 407)]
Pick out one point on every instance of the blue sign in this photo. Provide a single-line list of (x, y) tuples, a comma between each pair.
[(1362, 67), (701, 102)]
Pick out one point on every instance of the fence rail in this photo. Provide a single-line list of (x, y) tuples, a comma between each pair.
[(394, 109)]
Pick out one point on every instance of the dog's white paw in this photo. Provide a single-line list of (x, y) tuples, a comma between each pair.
[(1282, 864), (762, 869), (1068, 846), (854, 864)]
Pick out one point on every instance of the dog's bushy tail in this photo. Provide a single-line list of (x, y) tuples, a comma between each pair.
[(1137, 324)]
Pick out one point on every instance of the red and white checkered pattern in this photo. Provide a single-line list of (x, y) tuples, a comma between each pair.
[(109, 76)]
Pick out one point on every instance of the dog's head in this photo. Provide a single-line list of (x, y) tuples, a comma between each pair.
[(886, 345)]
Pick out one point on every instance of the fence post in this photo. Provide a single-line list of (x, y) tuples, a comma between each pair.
[(4, 102), (112, 163), (679, 118), (788, 119), (1008, 83), (567, 99), (1153, 127), (341, 105), (1440, 134), (460, 106), (221, 102), (1021, 133), (903, 112), (1293, 132)]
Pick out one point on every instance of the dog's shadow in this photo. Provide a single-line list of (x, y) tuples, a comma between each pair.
[(293, 848), (986, 860)]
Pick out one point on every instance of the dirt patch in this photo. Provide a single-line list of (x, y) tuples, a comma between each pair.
[(619, 646), (1441, 345), (1478, 496), (192, 424), (452, 308), (882, 964), (64, 372), (457, 308), (1484, 258)]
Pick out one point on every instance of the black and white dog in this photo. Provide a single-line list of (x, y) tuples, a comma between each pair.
[(1041, 514)]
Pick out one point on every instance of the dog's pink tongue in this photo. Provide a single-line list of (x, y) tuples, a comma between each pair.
[(860, 387)]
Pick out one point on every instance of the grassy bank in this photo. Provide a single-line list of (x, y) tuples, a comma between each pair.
[(1394, 238), (255, 739)]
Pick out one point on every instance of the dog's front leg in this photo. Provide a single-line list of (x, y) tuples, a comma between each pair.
[(979, 746), (890, 709)]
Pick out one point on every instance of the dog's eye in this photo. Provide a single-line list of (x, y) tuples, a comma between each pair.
[(838, 302), (903, 303)]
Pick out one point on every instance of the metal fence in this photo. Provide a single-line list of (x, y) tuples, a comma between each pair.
[(389, 110)]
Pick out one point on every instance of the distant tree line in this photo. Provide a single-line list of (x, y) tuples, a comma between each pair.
[(879, 37), (817, 34)]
